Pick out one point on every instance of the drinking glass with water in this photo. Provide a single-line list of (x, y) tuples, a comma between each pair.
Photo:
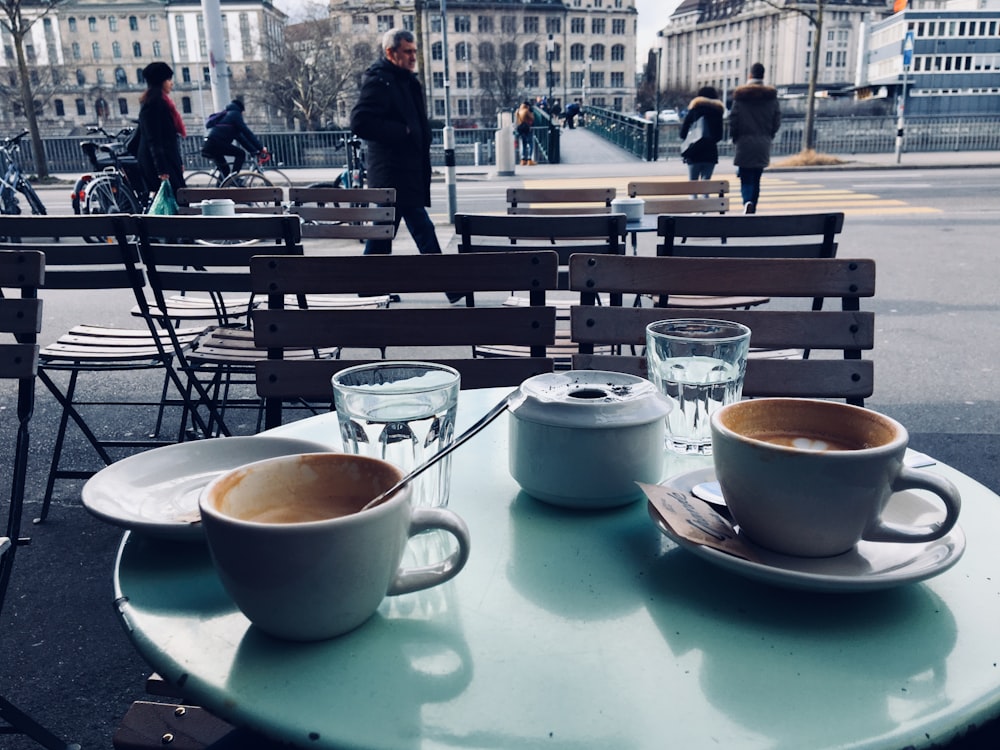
[(699, 365)]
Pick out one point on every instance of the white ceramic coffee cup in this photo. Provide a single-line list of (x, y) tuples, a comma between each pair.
[(297, 555), (824, 493)]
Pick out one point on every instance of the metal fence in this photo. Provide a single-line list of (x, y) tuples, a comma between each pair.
[(834, 135), (476, 146)]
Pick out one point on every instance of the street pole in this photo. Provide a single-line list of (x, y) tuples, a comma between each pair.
[(901, 109), (218, 68), (656, 114), (449, 131)]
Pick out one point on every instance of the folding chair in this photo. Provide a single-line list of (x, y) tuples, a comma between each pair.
[(846, 332), (21, 271), (437, 332), (221, 356), (72, 364), (565, 234), (562, 201)]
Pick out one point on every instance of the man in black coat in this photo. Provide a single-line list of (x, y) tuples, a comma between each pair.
[(392, 117)]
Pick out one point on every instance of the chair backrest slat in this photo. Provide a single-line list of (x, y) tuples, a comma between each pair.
[(330, 196), (262, 195), (560, 200), (20, 316), (655, 188)]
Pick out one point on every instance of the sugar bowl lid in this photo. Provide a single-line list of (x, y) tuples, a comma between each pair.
[(588, 399)]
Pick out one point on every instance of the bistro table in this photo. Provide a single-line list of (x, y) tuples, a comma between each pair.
[(586, 630)]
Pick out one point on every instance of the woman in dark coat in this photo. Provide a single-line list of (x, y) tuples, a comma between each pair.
[(704, 155), (160, 129)]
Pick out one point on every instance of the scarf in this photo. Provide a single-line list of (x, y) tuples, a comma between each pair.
[(178, 122)]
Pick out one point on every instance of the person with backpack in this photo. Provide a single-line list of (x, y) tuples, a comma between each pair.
[(524, 120), (702, 154), (224, 128)]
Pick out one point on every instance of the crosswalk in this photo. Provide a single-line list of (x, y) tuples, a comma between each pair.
[(779, 194)]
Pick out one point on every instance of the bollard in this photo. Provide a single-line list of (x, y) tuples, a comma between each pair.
[(504, 139), (476, 153)]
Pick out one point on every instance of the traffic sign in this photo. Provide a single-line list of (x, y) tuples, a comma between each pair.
[(908, 49)]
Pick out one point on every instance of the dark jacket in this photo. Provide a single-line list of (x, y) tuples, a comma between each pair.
[(232, 126), (391, 117), (705, 151), (753, 122), (159, 145)]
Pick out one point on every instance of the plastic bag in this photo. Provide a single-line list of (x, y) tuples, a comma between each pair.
[(164, 204), (697, 133)]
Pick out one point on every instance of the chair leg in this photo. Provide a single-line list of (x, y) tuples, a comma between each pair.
[(18, 722)]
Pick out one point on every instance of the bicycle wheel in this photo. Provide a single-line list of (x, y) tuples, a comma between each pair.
[(279, 178), (106, 195), (246, 179), (321, 204), (202, 179), (37, 207)]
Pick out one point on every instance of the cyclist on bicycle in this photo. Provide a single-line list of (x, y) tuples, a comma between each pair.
[(219, 141)]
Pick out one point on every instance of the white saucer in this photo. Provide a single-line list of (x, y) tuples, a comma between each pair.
[(868, 567), (156, 492)]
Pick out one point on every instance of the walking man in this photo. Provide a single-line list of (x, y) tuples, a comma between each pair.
[(753, 122), (392, 117)]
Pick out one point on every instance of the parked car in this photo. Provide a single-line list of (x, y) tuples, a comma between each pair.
[(670, 115)]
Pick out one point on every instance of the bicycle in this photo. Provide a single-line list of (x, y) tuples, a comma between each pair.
[(13, 180), (254, 176), (355, 173), (116, 186)]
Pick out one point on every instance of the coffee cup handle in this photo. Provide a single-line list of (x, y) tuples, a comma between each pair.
[(426, 576), (913, 479)]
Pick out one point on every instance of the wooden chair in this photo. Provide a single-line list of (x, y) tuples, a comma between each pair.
[(846, 331), (340, 213), (220, 356), (739, 236), (560, 200), (566, 234), (438, 329), (681, 196), (75, 365), (256, 200), (21, 273)]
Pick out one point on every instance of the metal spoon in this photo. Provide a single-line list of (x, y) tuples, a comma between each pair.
[(492, 414)]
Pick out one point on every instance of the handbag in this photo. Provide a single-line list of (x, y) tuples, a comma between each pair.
[(697, 133), (164, 204)]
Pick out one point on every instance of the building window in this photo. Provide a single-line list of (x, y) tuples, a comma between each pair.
[(133, 23), (138, 76), (576, 79), (578, 25), (508, 24), (437, 80), (71, 21), (618, 26), (617, 80), (437, 51), (463, 80), (596, 25), (116, 49), (100, 77), (463, 24), (531, 52), (136, 49), (157, 49), (531, 24), (75, 50), (112, 23), (408, 24), (486, 52), (122, 105), (186, 74), (186, 105), (435, 24), (120, 78), (597, 52), (206, 74), (95, 50), (484, 24), (182, 49), (359, 22), (246, 41), (384, 23), (92, 24), (553, 25), (81, 107), (531, 79), (618, 53), (597, 79), (463, 108), (439, 107), (154, 23), (60, 108), (463, 51), (577, 52)]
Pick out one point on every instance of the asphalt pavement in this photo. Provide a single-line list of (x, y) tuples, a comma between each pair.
[(63, 654)]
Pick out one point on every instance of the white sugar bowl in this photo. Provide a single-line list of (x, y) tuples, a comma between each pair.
[(632, 208), (582, 438)]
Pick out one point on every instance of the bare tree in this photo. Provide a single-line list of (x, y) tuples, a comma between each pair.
[(811, 10), (316, 71), (18, 17), (499, 62)]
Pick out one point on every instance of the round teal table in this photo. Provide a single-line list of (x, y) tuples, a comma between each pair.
[(586, 630)]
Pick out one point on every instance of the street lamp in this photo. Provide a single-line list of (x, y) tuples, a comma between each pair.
[(550, 52)]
